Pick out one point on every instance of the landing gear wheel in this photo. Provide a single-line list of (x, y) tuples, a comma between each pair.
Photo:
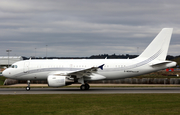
[(83, 87), (87, 86), (28, 88)]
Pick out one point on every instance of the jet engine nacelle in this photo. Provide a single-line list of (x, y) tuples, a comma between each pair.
[(56, 81)]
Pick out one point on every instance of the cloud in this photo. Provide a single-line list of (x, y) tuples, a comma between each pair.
[(84, 28)]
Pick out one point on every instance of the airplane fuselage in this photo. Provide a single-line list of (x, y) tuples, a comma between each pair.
[(112, 69)]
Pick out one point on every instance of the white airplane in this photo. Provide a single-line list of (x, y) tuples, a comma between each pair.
[(68, 71)]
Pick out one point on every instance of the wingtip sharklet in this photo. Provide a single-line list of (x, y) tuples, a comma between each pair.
[(101, 66)]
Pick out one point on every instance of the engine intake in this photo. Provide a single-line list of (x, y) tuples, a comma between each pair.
[(58, 81)]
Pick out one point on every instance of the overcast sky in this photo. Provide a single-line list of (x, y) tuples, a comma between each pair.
[(85, 27)]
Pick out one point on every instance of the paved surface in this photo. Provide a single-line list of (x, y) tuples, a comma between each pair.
[(104, 85), (90, 91)]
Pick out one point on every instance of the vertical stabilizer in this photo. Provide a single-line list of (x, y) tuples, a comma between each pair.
[(158, 48)]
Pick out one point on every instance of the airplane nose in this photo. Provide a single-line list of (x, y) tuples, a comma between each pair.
[(5, 73)]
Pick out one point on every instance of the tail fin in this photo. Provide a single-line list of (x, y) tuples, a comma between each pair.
[(158, 48)]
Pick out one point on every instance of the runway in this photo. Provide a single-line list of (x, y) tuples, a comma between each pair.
[(93, 90)]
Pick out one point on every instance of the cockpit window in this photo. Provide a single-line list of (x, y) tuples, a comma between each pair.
[(13, 66)]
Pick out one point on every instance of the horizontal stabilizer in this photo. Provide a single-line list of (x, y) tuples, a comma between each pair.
[(164, 63), (160, 63)]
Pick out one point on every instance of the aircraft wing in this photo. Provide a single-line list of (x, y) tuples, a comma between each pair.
[(85, 72)]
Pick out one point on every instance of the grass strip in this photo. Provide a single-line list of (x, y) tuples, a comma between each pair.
[(90, 104)]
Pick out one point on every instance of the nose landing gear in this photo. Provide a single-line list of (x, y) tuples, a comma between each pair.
[(28, 87)]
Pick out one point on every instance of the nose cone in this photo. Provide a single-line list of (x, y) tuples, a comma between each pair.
[(5, 73)]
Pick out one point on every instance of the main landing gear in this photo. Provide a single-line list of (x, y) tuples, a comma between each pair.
[(85, 86), (28, 87)]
